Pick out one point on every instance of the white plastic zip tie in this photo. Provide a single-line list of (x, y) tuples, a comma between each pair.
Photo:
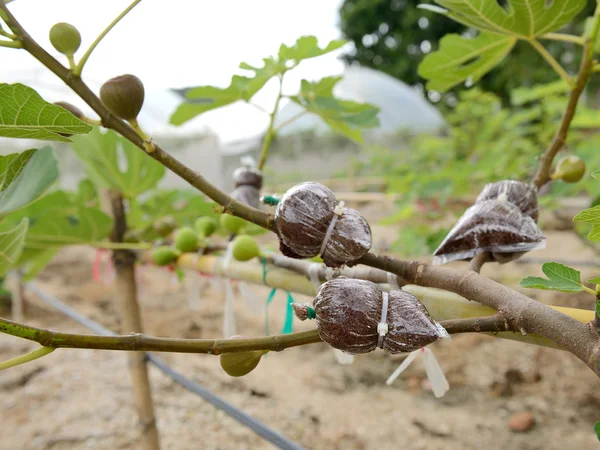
[(382, 326), (393, 281), (338, 211), (435, 374), (229, 328), (228, 256)]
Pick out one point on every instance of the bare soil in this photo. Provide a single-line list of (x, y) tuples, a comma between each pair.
[(80, 399)]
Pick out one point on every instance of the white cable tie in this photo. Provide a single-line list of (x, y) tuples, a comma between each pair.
[(338, 211), (382, 326)]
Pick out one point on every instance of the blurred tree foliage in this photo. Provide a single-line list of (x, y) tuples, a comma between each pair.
[(393, 35)]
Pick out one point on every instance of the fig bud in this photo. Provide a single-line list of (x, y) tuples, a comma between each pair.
[(123, 96), (187, 240), (231, 223), (570, 169), (239, 364), (245, 248), (205, 226), (163, 256), (71, 108), (65, 38)]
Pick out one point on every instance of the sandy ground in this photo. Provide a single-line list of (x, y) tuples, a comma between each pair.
[(80, 399)]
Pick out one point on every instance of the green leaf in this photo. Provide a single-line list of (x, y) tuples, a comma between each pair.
[(523, 19), (104, 154), (560, 278), (32, 261), (596, 174), (86, 226), (594, 235), (307, 47), (460, 59), (25, 177), (597, 429), (205, 98), (11, 245), (24, 114), (594, 280), (528, 94), (591, 215), (344, 117)]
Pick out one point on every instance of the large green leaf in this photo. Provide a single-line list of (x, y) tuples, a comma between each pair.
[(460, 59), (26, 115), (11, 245), (25, 177), (523, 19), (345, 117), (104, 154), (591, 215), (560, 278), (86, 226)]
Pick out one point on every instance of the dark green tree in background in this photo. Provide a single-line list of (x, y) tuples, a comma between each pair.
[(394, 35)]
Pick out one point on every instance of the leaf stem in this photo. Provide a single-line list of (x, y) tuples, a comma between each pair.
[(148, 145), (11, 44), (264, 152), (31, 356), (564, 38), (553, 62), (79, 68), (7, 34), (290, 120), (71, 60), (587, 289)]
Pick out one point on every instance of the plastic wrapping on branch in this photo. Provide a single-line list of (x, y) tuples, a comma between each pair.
[(248, 183), (502, 221), (311, 222), (356, 316)]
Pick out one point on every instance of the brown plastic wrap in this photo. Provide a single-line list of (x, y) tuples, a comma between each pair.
[(248, 183), (303, 217), (522, 195), (496, 226), (348, 312)]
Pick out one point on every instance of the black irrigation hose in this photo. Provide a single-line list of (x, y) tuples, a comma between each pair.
[(263, 431)]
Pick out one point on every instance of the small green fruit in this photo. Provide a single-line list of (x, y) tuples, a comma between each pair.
[(241, 363), (570, 169), (71, 108), (187, 240), (164, 226), (163, 256), (245, 248), (205, 226), (65, 38), (124, 96), (231, 223)]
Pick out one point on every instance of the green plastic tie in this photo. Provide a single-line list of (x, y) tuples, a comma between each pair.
[(270, 200), (311, 313)]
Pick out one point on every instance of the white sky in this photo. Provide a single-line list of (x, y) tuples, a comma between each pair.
[(178, 43)]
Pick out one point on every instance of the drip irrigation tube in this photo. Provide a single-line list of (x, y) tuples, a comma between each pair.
[(261, 430)]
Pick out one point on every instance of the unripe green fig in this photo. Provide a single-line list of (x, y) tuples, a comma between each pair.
[(65, 38), (71, 108), (231, 223), (570, 169), (239, 364), (123, 96), (205, 226), (163, 255), (187, 240), (164, 226), (244, 248)]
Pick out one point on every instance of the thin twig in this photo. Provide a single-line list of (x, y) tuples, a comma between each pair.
[(28, 357), (479, 260), (564, 38), (79, 68)]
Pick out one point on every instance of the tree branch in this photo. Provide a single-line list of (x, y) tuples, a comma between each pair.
[(542, 175)]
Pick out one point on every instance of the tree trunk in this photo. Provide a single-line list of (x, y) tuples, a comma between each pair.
[(124, 261)]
